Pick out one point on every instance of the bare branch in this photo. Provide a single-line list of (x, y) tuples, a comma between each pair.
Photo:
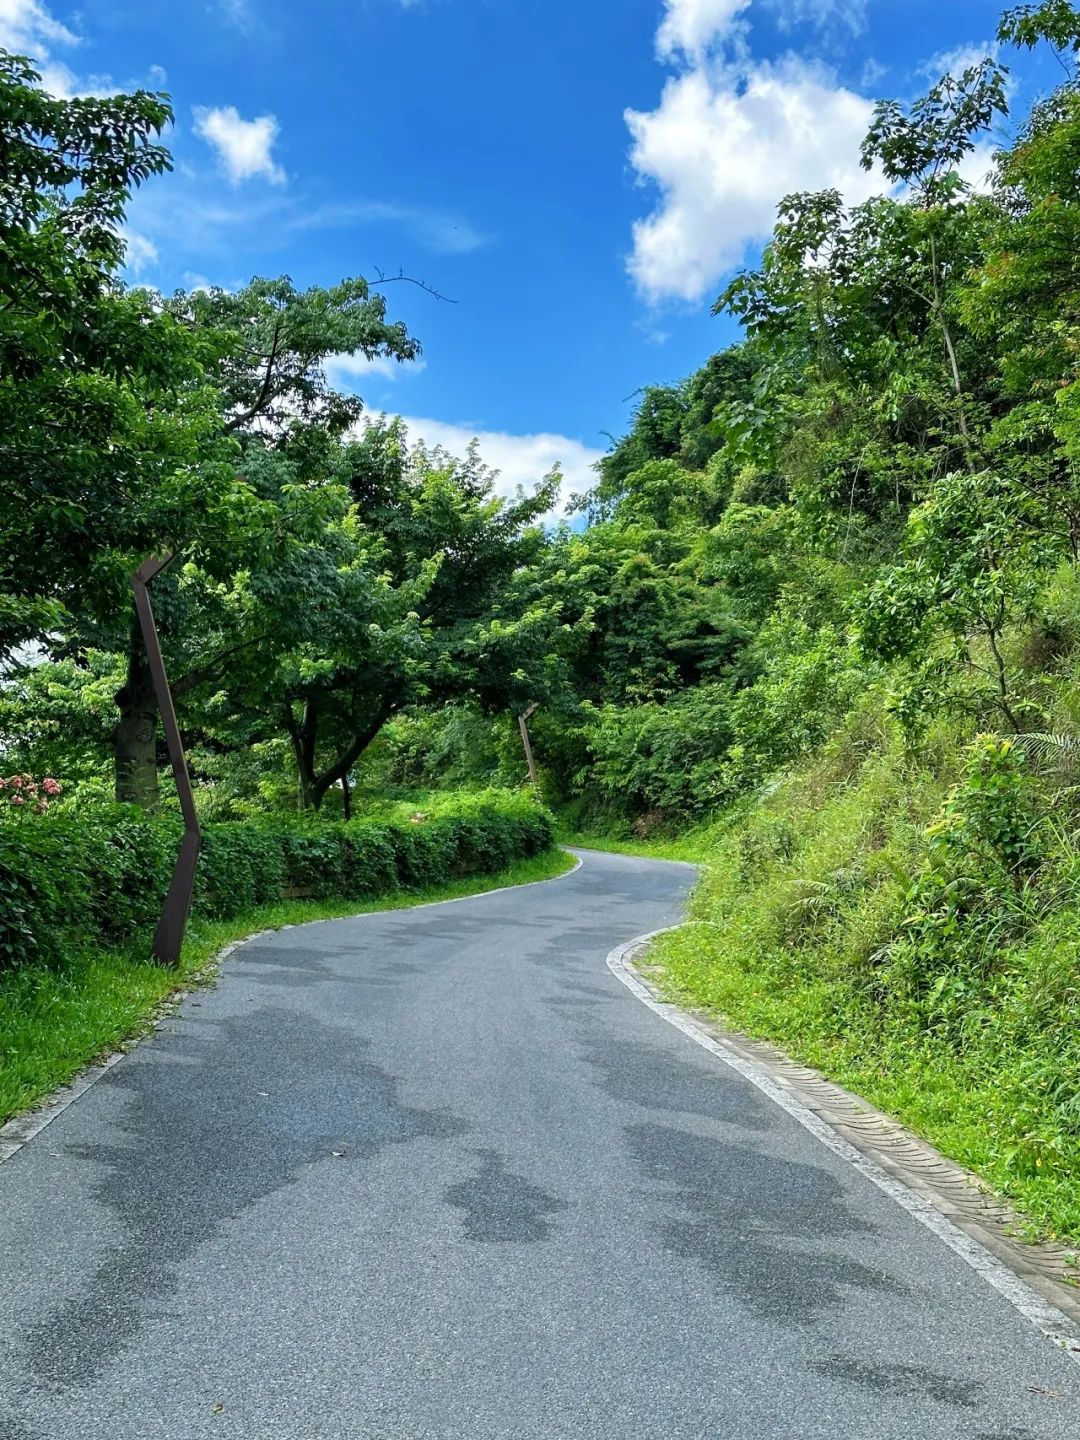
[(384, 279)]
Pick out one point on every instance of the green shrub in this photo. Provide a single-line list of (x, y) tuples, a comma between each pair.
[(30, 909), (241, 866), (84, 875), (128, 863)]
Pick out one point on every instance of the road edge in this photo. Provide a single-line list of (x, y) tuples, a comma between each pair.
[(1057, 1317)]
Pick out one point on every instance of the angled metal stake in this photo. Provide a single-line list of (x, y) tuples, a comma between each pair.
[(169, 937), (523, 726)]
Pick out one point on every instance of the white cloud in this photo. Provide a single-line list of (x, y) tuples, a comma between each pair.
[(139, 251), (244, 147), (519, 459), (692, 27), (977, 168), (725, 144), (236, 12), (343, 369), (822, 13), (26, 25), (732, 135), (873, 72), (442, 232), (27, 28), (957, 60)]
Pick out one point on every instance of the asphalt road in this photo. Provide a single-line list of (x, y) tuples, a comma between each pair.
[(437, 1175)]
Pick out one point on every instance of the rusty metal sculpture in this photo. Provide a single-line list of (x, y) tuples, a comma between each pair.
[(169, 937)]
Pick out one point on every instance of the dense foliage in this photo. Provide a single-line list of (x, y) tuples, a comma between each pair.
[(325, 576), (909, 925), (97, 875), (876, 485)]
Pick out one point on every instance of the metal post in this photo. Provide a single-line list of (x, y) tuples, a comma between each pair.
[(523, 726), (169, 936)]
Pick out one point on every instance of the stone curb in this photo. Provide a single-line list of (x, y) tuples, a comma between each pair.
[(947, 1186)]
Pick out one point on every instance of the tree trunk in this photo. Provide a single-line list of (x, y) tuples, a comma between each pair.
[(304, 734), (314, 783), (134, 736), (346, 798), (309, 796)]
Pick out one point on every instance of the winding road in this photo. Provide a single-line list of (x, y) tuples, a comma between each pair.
[(436, 1174)]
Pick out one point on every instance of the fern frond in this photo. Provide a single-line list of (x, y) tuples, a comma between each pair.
[(1053, 751)]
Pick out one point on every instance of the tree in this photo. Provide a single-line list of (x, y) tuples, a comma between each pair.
[(971, 565), (1055, 21), (654, 435), (922, 149), (1022, 301), (75, 355), (407, 595), (259, 486), (268, 344)]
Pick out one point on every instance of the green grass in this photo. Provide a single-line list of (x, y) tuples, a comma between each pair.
[(797, 936), (53, 1023), (968, 1106), (692, 846)]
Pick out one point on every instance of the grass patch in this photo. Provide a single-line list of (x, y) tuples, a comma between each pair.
[(56, 1020), (967, 1106), (692, 847), (841, 920)]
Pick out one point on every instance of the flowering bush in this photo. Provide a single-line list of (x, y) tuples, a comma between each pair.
[(24, 791)]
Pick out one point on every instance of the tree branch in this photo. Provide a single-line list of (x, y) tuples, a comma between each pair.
[(206, 672), (384, 279), (264, 394), (349, 757)]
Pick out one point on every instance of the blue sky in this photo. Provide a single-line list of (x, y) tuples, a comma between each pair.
[(577, 176)]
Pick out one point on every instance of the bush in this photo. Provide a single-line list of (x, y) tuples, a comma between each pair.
[(83, 875), (241, 865)]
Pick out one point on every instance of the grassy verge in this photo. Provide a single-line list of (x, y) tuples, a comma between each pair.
[(693, 846), (830, 921), (53, 1022)]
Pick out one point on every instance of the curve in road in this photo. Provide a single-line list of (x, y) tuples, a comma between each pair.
[(436, 1174)]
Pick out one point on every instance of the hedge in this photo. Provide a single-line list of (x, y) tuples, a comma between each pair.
[(97, 875)]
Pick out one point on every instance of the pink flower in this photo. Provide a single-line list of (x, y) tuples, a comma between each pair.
[(24, 789)]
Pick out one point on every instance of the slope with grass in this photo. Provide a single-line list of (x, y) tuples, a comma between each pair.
[(908, 924)]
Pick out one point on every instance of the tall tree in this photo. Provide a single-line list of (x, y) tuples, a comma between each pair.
[(260, 480), (75, 354), (407, 596)]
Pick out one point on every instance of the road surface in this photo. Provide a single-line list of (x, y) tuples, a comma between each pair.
[(436, 1174)]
